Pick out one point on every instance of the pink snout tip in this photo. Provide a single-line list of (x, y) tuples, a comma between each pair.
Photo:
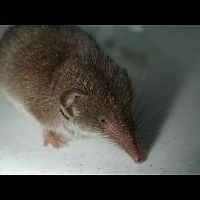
[(127, 141), (137, 157)]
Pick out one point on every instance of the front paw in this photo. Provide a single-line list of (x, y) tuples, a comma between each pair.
[(53, 139)]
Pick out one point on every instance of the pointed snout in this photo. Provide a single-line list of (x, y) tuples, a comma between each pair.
[(132, 149), (129, 144), (126, 139)]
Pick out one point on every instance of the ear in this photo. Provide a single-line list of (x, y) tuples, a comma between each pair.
[(67, 99)]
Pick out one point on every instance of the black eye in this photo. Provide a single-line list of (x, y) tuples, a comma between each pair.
[(102, 120)]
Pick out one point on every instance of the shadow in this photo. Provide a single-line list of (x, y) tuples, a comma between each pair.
[(155, 91), (156, 79)]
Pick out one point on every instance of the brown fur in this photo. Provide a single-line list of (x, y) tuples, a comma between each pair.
[(39, 63)]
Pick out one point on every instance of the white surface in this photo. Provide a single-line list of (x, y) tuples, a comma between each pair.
[(165, 72)]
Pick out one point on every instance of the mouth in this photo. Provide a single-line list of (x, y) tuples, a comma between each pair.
[(125, 139)]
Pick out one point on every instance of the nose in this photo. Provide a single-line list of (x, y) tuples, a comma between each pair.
[(138, 158), (126, 140), (133, 150)]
